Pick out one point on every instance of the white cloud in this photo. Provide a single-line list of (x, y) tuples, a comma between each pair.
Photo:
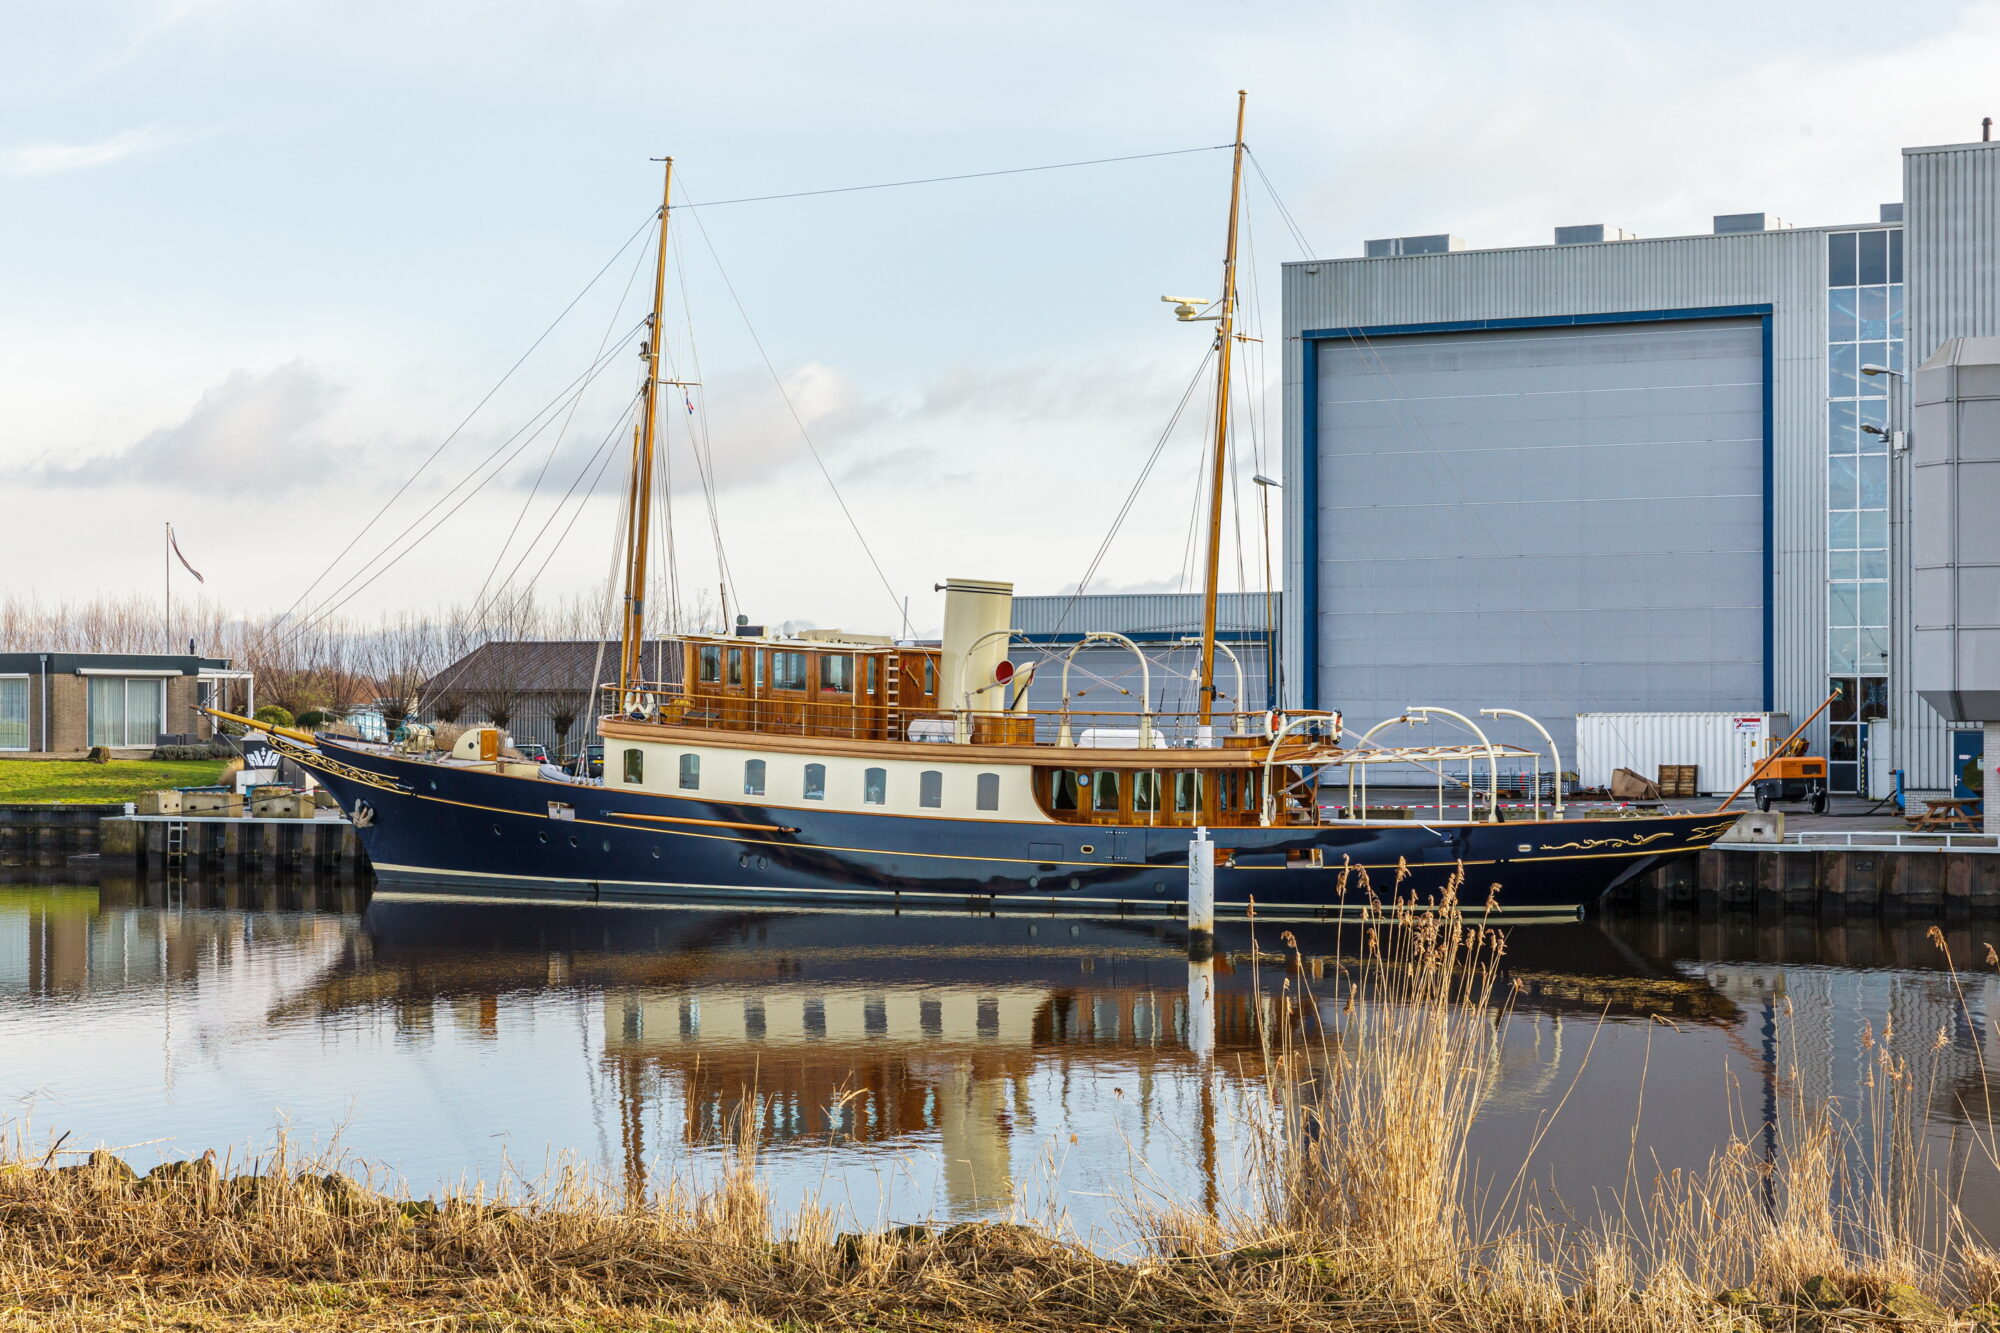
[(47, 159), (260, 431)]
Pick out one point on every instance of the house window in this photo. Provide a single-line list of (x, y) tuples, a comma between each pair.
[(127, 711), (711, 663), (14, 713), (815, 775), (875, 787), (930, 789), (989, 791), (1145, 793), (836, 673), (753, 777), (1104, 792), (690, 772), (735, 666), (788, 671), (635, 766)]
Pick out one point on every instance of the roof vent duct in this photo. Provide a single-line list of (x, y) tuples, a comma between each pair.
[(1592, 234), (1412, 245), (1729, 223)]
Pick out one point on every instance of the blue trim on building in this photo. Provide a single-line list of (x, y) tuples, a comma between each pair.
[(1151, 636), (1770, 525), (1310, 339)]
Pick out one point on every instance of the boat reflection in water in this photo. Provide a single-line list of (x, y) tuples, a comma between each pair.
[(913, 1065)]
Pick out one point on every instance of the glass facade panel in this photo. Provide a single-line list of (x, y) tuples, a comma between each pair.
[(1841, 483), (1841, 315), (13, 714), (1840, 649), (1843, 423), (1841, 602)]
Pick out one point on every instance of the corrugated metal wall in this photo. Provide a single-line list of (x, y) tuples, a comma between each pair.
[(1141, 613), (1784, 269), (1951, 268)]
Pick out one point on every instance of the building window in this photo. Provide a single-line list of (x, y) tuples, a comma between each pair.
[(788, 671), (1864, 327), (1145, 793), (1104, 791), (735, 666), (989, 791), (930, 789), (690, 772), (875, 786), (836, 673), (635, 766), (14, 713), (753, 777), (711, 663), (815, 781), (127, 711)]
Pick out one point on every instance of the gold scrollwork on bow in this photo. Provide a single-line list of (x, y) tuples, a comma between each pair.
[(1592, 844), (323, 763)]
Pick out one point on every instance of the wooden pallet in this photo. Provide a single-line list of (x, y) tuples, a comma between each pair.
[(1677, 780)]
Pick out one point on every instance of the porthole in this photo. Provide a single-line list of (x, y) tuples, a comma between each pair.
[(1088, 849), (434, 784), (541, 837), (572, 839), (762, 864), (607, 844), (496, 830), (656, 853), (1034, 881), (1159, 886), (1075, 883)]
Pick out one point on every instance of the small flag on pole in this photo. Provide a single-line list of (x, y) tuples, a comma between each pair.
[(689, 401), (183, 559)]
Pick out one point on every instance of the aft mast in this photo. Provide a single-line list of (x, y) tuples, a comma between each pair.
[(1225, 335), (632, 633)]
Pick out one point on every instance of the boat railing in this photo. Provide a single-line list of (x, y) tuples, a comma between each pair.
[(859, 717)]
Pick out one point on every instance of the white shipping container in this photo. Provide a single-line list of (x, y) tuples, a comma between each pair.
[(1723, 747)]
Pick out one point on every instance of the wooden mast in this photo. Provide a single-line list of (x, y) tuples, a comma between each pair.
[(632, 637), (1225, 333)]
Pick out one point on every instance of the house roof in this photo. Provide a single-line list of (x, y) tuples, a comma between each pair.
[(542, 665), (62, 664)]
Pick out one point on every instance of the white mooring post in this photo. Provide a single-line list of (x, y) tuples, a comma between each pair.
[(1201, 895), (1201, 1008)]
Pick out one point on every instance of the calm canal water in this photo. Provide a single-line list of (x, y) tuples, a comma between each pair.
[(903, 1067)]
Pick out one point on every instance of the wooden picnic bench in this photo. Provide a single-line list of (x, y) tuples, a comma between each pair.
[(1945, 814)]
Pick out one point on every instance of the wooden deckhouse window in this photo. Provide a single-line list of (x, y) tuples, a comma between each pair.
[(1104, 791), (735, 666), (788, 671), (874, 674), (635, 766), (711, 663), (930, 675), (690, 772), (930, 789), (1187, 791), (753, 777), (989, 791), (1062, 790), (1146, 793), (815, 789), (875, 786), (836, 673)]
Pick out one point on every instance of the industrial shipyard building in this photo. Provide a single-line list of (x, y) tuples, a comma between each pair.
[(1615, 474)]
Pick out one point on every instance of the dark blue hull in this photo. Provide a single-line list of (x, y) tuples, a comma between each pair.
[(429, 825)]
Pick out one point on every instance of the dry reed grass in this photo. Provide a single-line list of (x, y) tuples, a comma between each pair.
[(1356, 1216)]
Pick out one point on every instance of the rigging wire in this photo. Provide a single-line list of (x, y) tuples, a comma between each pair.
[(798, 420), (964, 176), (704, 449), (455, 431)]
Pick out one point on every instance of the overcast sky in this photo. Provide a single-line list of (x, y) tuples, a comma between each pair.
[(258, 260)]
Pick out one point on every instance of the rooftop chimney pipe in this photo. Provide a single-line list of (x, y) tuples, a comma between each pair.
[(1986, 130)]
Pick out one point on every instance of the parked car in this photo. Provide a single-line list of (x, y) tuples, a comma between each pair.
[(534, 750), (589, 763)]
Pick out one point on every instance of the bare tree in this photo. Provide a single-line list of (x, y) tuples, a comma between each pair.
[(565, 707)]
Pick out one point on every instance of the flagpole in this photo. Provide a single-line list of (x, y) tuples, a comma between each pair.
[(167, 562)]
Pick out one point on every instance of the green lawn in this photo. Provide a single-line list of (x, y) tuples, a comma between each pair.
[(78, 780)]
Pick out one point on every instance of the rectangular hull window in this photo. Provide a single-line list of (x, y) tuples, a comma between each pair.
[(690, 772), (815, 789), (635, 766), (930, 789), (989, 791), (875, 786), (753, 777)]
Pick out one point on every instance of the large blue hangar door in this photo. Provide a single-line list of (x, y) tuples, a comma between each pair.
[(1560, 520)]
